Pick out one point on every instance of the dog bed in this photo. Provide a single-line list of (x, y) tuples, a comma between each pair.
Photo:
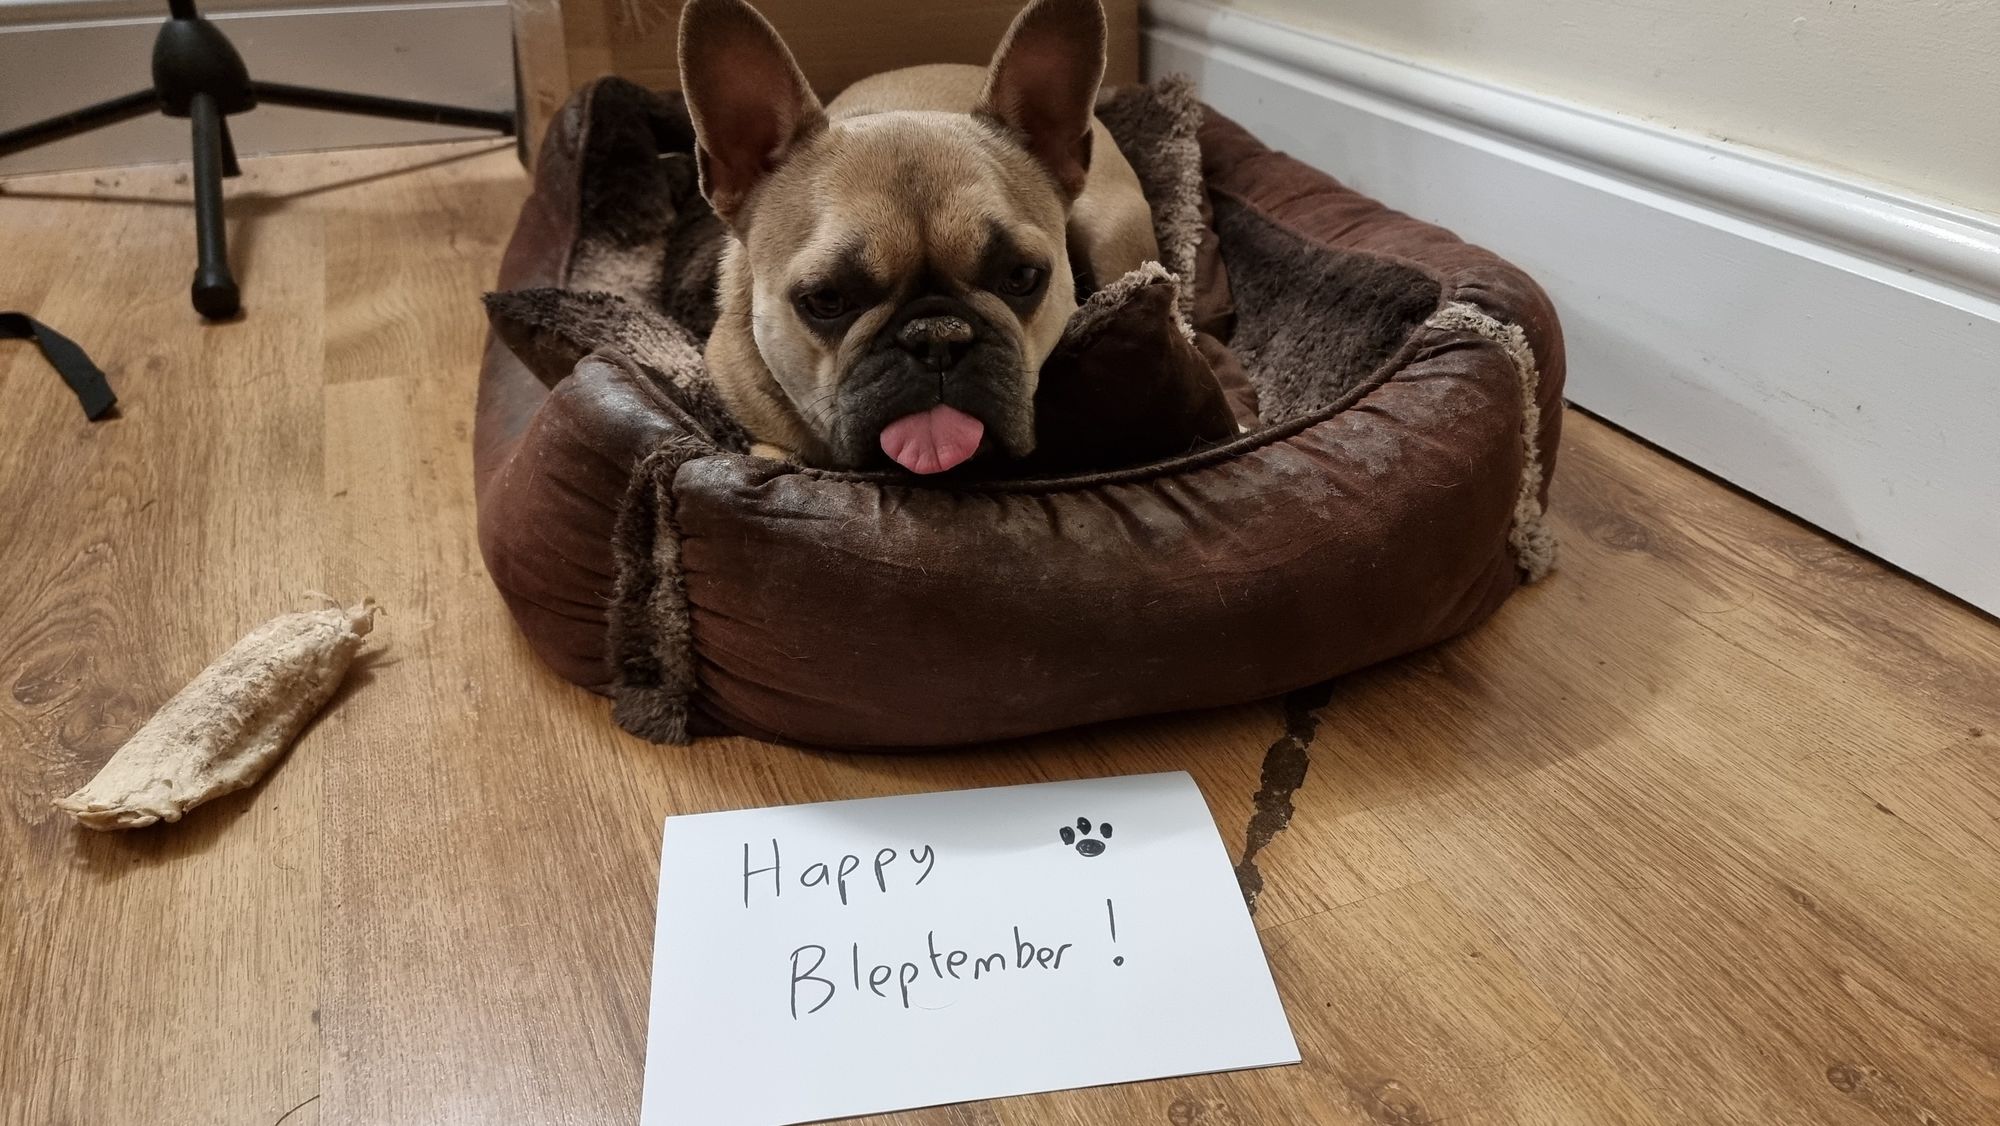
[(1390, 411)]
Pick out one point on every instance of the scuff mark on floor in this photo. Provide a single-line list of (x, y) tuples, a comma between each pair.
[(1285, 764), (296, 1109)]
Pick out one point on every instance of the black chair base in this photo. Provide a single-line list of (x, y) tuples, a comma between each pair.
[(197, 74)]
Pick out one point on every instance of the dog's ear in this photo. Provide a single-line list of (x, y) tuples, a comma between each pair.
[(1043, 84), (748, 99)]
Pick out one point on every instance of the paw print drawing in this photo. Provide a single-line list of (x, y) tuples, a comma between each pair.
[(1081, 838)]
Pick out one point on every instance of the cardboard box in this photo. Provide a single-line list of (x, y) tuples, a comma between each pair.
[(562, 44)]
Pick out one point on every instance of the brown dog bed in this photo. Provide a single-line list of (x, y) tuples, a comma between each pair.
[(1397, 394)]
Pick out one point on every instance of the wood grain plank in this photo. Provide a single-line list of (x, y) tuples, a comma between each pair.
[(136, 550)]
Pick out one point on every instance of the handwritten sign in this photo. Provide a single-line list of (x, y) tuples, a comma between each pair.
[(854, 957)]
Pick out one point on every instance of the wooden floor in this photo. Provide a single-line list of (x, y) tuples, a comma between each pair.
[(1705, 829)]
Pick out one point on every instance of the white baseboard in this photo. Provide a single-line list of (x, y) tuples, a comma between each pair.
[(459, 52), (1829, 345)]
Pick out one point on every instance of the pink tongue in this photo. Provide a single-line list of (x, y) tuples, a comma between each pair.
[(934, 440)]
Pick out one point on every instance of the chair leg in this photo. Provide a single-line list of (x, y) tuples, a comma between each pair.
[(77, 121), (214, 291), (402, 109)]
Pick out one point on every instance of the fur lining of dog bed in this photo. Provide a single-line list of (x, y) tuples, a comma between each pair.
[(551, 330), (1098, 312), (1303, 365), (1533, 542), (651, 631), (1157, 129)]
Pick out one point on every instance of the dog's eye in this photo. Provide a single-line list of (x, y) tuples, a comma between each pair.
[(823, 304), (1022, 281)]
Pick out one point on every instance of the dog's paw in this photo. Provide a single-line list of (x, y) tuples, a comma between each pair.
[(1081, 838)]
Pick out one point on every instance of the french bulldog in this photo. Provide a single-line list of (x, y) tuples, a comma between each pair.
[(901, 260)]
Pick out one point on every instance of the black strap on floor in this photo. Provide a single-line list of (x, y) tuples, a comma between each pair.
[(84, 378)]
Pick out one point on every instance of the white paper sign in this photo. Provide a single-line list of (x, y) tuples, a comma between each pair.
[(854, 957)]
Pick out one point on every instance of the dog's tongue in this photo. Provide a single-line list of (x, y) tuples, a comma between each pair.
[(934, 440)]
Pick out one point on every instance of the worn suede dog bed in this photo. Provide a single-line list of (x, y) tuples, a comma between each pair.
[(1397, 394)]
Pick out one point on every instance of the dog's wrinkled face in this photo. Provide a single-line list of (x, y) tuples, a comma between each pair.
[(900, 262), (902, 273)]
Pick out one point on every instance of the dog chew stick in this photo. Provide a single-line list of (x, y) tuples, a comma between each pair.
[(227, 727)]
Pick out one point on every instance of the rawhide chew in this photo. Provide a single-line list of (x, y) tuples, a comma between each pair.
[(227, 727)]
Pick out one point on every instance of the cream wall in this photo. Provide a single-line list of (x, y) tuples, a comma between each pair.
[(1906, 92)]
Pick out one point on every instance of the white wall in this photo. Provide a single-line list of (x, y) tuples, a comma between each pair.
[(1904, 92), (1830, 345)]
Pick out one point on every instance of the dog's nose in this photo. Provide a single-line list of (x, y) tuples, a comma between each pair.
[(939, 341), (936, 332)]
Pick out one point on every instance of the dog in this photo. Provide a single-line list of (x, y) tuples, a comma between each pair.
[(901, 260)]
